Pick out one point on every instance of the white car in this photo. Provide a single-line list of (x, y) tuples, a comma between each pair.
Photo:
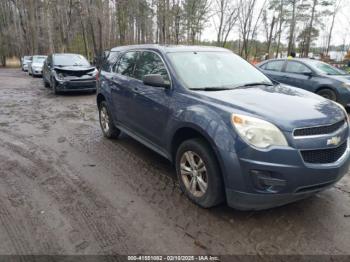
[(25, 61), (35, 68)]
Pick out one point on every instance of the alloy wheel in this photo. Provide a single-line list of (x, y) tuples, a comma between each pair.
[(194, 173), (104, 118)]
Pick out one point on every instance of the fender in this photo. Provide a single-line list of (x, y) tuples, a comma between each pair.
[(209, 124)]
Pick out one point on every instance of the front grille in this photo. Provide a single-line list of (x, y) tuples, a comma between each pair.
[(324, 156), (319, 130)]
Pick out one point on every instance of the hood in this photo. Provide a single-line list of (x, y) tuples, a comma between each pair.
[(37, 64), (342, 78), (75, 68), (286, 107)]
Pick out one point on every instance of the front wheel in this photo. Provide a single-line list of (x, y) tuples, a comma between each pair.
[(328, 93), (199, 173), (54, 87), (108, 128), (46, 84)]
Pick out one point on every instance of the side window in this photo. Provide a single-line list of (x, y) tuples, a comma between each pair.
[(297, 68), (126, 64), (274, 66), (150, 63)]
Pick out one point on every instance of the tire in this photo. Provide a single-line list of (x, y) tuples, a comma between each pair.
[(46, 84), (107, 126), (53, 84), (211, 192), (327, 93)]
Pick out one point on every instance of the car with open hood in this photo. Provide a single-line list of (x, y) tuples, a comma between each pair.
[(69, 72), (231, 133), (35, 68), (312, 75)]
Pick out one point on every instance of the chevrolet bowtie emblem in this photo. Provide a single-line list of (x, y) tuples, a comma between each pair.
[(333, 141)]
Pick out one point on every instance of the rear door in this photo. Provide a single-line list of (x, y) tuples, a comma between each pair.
[(274, 69), (121, 85), (299, 75)]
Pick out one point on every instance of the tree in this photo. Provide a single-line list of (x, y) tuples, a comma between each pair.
[(226, 12), (336, 4)]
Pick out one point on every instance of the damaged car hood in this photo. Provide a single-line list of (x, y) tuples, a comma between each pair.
[(74, 68)]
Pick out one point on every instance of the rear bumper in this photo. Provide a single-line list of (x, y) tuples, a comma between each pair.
[(72, 86)]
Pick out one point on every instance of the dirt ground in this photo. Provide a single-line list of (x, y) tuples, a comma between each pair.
[(64, 189)]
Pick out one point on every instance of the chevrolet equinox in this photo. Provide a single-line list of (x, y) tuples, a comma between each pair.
[(231, 132)]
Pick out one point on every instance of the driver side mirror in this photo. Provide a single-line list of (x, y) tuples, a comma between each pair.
[(309, 74), (155, 80)]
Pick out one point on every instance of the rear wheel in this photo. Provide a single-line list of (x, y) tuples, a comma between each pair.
[(108, 128), (328, 93), (199, 173)]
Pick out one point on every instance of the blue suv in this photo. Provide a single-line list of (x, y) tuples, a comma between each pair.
[(231, 133)]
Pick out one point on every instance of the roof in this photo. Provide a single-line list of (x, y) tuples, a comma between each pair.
[(65, 54), (170, 48)]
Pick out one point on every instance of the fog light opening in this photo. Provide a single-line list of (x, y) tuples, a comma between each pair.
[(267, 181)]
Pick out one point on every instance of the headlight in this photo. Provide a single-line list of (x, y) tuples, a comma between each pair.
[(257, 132), (347, 85), (60, 76)]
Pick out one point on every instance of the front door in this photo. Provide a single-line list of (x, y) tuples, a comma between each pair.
[(150, 111)]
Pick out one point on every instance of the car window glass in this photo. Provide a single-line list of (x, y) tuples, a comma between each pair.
[(70, 60), (110, 60), (274, 66), (150, 63), (296, 67), (126, 64), (214, 70), (39, 59), (327, 69)]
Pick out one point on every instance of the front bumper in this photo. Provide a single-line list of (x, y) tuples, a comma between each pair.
[(294, 179), (37, 72), (76, 85)]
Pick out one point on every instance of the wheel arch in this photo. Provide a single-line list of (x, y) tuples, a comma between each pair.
[(190, 132), (99, 99)]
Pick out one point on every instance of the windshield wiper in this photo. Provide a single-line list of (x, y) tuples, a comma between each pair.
[(258, 84), (211, 88)]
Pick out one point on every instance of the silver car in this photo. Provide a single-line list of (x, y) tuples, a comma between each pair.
[(35, 67), (25, 61)]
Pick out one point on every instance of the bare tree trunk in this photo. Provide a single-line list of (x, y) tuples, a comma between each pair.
[(309, 32), (292, 28)]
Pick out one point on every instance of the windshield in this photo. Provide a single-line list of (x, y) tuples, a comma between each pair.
[(70, 60), (27, 58), (39, 59), (325, 68), (200, 70)]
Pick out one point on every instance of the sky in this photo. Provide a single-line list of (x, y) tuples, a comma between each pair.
[(341, 31)]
